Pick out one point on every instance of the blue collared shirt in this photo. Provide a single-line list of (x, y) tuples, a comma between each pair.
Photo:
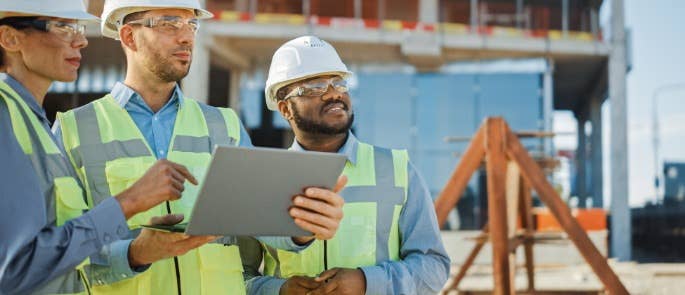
[(423, 266), (32, 252), (111, 265)]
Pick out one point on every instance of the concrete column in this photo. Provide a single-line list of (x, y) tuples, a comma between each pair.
[(548, 106), (306, 7), (381, 10), (519, 13), (253, 7), (234, 90), (564, 18), (581, 160), (597, 179), (620, 211), (594, 22), (474, 16), (241, 5), (196, 84), (357, 8), (428, 11)]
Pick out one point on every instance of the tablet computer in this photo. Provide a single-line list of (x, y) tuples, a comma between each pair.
[(248, 191)]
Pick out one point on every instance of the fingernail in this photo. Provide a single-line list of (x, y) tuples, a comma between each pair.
[(299, 201), (310, 191)]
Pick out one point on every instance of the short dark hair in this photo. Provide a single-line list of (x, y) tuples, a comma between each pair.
[(281, 93), (17, 23)]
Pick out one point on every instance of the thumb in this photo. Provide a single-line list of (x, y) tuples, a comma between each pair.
[(169, 219), (342, 181), (326, 275)]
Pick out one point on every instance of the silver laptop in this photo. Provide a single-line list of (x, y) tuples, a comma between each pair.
[(248, 191)]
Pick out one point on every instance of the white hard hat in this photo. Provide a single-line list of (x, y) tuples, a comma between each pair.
[(69, 9), (299, 59), (115, 11)]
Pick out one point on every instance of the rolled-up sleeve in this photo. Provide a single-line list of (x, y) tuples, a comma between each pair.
[(423, 267), (32, 252)]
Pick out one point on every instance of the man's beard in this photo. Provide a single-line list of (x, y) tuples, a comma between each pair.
[(165, 69), (320, 128)]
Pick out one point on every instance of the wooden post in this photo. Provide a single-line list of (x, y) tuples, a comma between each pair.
[(513, 179), (526, 218), (496, 165)]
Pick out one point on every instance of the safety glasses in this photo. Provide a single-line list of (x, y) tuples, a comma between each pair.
[(319, 87), (66, 31), (168, 24)]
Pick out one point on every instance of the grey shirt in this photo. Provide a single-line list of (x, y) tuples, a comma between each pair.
[(32, 252)]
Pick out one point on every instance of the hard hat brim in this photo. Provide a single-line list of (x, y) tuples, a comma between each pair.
[(75, 15)]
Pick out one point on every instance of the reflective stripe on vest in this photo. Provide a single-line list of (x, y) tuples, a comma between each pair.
[(64, 198), (369, 233), (111, 153)]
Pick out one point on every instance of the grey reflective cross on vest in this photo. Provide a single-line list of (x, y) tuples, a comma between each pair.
[(385, 194), (97, 153)]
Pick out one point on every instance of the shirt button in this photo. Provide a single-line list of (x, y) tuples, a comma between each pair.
[(154, 118), (161, 152), (121, 231), (107, 238), (123, 275)]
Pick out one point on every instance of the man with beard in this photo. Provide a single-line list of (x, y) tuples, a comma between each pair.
[(112, 140), (388, 242)]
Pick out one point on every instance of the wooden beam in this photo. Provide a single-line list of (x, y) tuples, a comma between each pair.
[(513, 179), (480, 242), (536, 178), (496, 165), (454, 188)]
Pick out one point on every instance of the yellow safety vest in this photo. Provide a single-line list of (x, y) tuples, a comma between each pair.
[(63, 195), (375, 194), (111, 154)]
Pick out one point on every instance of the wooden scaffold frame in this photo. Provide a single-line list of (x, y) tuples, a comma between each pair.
[(511, 174)]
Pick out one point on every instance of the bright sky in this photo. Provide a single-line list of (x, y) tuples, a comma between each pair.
[(658, 55)]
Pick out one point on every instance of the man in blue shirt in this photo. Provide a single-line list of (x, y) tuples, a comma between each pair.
[(40, 42), (389, 241)]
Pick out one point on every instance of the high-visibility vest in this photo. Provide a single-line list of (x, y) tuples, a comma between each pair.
[(375, 194), (111, 154), (64, 198)]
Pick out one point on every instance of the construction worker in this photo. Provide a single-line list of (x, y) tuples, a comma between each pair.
[(146, 118), (388, 241), (45, 236)]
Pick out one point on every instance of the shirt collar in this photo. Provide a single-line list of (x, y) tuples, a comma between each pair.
[(349, 149), (25, 95), (122, 94)]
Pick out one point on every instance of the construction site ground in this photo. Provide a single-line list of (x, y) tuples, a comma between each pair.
[(559, 269)]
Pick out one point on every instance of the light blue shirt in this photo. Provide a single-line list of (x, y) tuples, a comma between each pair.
[(157, 128), (32, 252), (423, 267)]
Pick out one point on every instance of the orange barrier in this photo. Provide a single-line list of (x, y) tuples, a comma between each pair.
[(589, 219)]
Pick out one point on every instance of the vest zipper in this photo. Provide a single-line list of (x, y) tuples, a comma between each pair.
[(178, 271), (85, 281), (325, 255)]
